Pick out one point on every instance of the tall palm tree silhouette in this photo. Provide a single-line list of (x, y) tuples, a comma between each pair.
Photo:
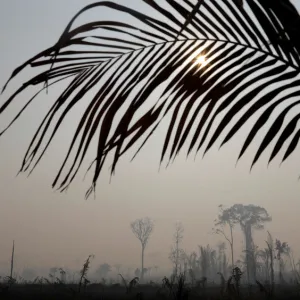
[(212, 65)]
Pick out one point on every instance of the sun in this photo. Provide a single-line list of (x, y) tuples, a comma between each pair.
[(201, 60)]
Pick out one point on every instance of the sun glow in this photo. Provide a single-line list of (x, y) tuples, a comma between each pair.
[(201, 60)]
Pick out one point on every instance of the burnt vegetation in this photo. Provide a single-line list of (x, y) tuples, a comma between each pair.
[(220, 272)]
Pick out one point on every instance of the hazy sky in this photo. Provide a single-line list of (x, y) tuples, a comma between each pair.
[(51, 228)]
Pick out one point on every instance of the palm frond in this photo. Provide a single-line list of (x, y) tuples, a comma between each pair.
[(252, 64)]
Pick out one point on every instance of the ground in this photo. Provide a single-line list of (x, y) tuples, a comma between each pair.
[(142, 292)]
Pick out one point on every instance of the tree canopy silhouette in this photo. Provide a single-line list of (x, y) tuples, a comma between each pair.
[(251, 50)]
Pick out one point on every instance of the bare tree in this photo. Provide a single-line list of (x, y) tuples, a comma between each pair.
[(225, 218), (176, 251), (142, 229), (270, 244), (12, 260)]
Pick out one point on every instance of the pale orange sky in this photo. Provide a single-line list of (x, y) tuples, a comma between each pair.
[(53, 229)]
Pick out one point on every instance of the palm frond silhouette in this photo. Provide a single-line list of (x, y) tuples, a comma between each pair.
[(252, 64)]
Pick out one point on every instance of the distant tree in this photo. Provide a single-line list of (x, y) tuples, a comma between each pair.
[(270, 245), (281, 248), (145, 271), (118, 267), (137, 272), (222, 260), (142, 229), (103, 270), (129, 273), (254, 254), (63, 275), (264, 255), (184, 262), (249, 217), (207, 261), (52, 273), (176, 251), (29, 274), (293, 264), (225, 218)]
